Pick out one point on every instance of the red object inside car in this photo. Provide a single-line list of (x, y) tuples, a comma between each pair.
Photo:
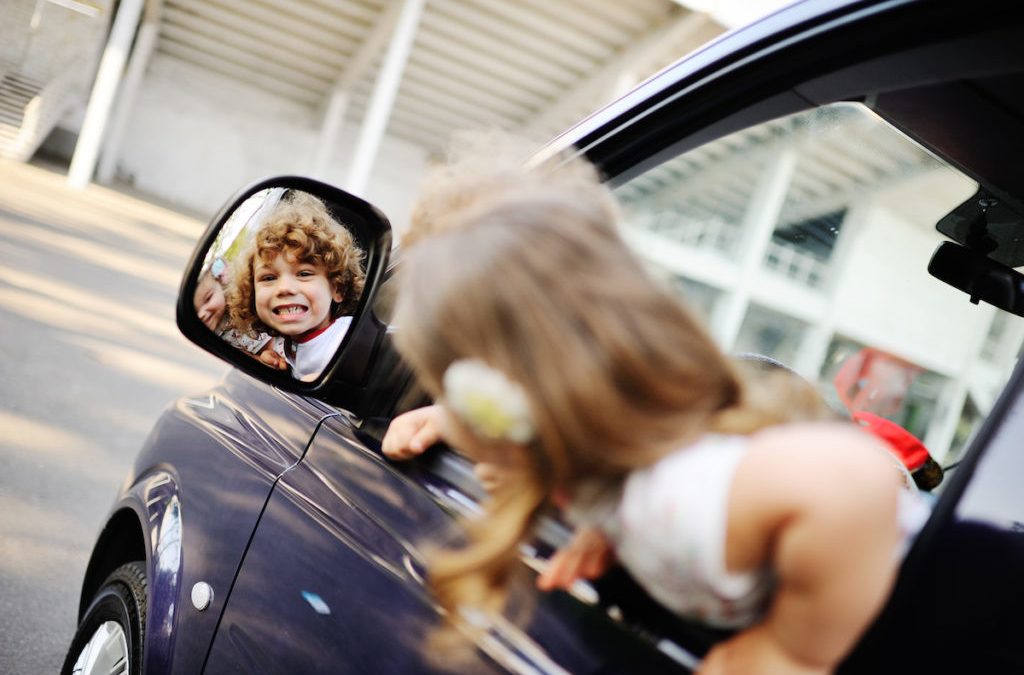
[(906, 446)]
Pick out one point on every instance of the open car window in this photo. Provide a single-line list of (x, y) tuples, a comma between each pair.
[(807, 239)]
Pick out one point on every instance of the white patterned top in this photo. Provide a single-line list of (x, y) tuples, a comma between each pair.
[(667, 525)]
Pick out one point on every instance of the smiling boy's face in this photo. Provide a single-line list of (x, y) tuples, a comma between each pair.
[(292, 297)]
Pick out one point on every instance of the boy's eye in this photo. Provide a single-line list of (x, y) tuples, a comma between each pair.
[(306, 273), (265, 277)]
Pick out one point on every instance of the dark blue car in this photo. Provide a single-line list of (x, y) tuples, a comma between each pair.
[(837, 186)]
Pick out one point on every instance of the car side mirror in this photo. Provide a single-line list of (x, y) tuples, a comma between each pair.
[(979, 276), (280, 286)]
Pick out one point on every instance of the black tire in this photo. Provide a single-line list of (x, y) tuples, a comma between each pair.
[(121, 599)]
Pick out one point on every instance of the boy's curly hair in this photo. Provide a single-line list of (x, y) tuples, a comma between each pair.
[(302, 226)]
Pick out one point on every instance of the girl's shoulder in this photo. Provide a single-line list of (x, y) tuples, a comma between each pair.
[(816, 443), (801, 468), (811, 464)]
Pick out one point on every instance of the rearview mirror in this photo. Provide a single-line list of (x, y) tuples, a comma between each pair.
[(280, 283), (979, 276)]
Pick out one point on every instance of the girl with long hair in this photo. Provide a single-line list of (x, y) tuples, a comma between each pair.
[(554, 357)]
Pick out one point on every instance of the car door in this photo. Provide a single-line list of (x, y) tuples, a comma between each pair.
[(792, 196), (333, 580)]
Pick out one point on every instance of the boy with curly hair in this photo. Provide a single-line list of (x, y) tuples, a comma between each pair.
[(300, 281)]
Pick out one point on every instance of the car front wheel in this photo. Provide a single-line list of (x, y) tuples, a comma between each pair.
[(110, 637)]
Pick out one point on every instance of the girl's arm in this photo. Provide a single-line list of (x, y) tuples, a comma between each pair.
[(588, 555), (818, 503)]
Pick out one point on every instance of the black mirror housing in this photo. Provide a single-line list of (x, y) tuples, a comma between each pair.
[(982, 278), (343, 378)]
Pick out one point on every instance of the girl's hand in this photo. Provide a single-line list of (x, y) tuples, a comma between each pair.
[(412, 432), (492, 476), (753, 652), (271, 358), (587, 556)]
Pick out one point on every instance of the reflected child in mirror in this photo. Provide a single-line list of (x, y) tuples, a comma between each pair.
[(300, 281), (210, 305)]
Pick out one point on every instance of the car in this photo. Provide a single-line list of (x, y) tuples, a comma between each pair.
[(836, 186)]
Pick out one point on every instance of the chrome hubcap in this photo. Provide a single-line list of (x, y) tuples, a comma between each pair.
[(106, 652)]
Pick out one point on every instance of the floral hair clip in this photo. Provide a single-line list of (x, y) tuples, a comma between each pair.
[(218, 268), (491, 404)]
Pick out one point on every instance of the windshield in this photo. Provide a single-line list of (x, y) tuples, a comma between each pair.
[(807, 239)]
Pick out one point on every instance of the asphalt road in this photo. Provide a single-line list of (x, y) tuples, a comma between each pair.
[(89, 356)]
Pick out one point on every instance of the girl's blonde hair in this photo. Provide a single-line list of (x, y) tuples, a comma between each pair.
[(526, 271), (302, 226)]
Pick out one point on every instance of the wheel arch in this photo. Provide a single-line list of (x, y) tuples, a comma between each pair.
[(121, 541)]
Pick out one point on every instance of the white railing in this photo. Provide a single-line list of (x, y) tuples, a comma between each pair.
[(695, 232), (715, 234), (795, 263)]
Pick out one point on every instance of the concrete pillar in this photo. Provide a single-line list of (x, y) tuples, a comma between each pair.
[(383, 98), (137, 63), (814, 345), (341, 94), (334, 117), (108, 78), (759, 222), (942, 427)]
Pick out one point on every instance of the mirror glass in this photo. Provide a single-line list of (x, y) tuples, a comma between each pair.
[(281, 280)]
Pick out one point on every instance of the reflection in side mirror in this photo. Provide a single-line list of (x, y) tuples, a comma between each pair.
[(281, 278), (281, 281), (979, 276)]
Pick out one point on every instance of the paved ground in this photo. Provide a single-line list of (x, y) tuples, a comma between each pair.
[(89, 356)]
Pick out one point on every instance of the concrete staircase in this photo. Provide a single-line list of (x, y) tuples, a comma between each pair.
[(29, 109)]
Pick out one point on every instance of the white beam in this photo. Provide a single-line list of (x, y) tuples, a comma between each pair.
[(814, 343), (137, 63), (294, 20), (564, 34), (341, 93), (266, 62), (620, 73), (243, 73), (480, 22), (263, 38), (383, 98), (512, 56), (446, 66), (495, 67), (456, 90), (303, 17), (108, 77), (759, 223)]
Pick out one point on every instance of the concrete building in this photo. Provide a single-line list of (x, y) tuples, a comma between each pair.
[(188, 100), (774, 232), (800, 239)]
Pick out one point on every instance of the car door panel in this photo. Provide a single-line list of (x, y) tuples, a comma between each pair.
[(231, 444), (357, 527), (353, 582)]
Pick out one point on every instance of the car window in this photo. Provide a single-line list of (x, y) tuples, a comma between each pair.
[(807, 239)]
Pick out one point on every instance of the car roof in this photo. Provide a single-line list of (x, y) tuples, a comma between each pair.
[(716, 55), (950, 77)]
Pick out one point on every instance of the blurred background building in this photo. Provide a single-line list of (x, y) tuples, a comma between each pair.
[(187, 100), (772, 233), (806, 238)]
